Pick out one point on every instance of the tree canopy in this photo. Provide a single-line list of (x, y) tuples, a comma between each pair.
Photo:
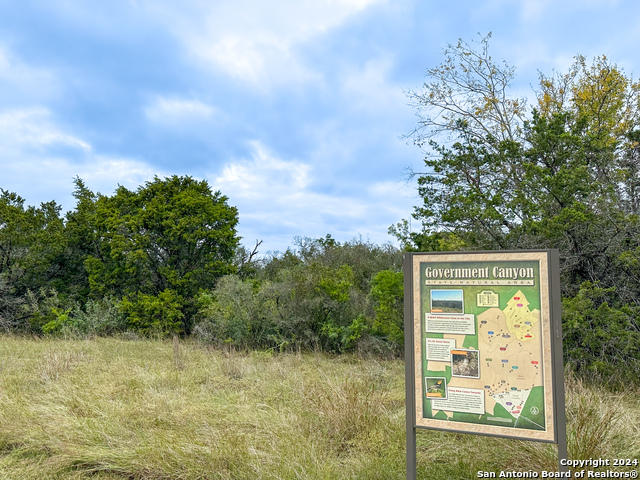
[(170, 238), (153, 249), (564, 174)]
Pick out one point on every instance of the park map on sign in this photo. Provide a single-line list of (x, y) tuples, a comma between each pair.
[(484, 366)]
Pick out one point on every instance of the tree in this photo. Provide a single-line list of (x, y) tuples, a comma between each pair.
[(469, 92), (387, 290), (169, 239), (565, 176), (32, 244)]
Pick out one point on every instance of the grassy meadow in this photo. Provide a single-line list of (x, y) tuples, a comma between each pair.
[(118, 408)]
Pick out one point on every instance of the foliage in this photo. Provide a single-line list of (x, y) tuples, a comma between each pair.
[(31, 245), (101, 317), (10, 306), (469, 92), (42, 307), (154, 247), (316, 297), (83, 241), (61, 321), (154, 314), (564, 177), (387, 290), (167, 241), (601, 341), (97, 317), (233, 314)]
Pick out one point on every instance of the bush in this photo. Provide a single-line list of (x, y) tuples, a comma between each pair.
[(600, 341), (10, 306), (387, 290), (101, 317), (311, 307), (41, 308), (314, 297), (226, 313), (154, 314)]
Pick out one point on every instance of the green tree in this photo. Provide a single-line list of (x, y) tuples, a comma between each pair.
[(83, 240), (169, 239), (564, 177), (32, 244), (602, 341)]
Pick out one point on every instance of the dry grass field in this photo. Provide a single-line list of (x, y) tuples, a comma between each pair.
[(116, 408)]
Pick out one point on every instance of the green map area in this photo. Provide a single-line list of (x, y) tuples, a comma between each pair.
[(489, 355)]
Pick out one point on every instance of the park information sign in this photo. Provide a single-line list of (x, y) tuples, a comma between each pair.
[(485, 343)]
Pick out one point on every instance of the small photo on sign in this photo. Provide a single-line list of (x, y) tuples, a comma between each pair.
[(436, 387), (465, 363), (447, 301)]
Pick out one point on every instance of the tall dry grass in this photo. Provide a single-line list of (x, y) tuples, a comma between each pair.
[(114, 408)]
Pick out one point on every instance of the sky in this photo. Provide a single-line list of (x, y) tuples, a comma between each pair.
[(296, 110)]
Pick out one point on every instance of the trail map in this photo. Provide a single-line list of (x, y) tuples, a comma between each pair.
[(481, 343)]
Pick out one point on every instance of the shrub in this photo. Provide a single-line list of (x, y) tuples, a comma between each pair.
[(154, 314), (314, 297), (601, 341), (60, 321), (387, 290), (226, 313), (101, 317), (42, 307)]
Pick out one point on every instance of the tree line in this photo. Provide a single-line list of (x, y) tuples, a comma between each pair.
[(166, 259), (148, 251)]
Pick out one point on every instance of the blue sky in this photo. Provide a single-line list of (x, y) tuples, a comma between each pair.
[(293, 109)]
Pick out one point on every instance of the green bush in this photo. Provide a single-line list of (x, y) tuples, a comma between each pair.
[(154, 314), (387, 290), (601, 341), (307, 306), (344, 338), (314, 297), (226, 313), (60, 321), (43, 307), (101, 317)]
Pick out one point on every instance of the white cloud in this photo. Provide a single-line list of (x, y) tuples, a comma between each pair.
[(175, 111), (105, 173), (41, 179), (252, 40), (368, 88), (24, 79), (33, 127), (278, 199), (31, 170), (534, 10), (258, 178)]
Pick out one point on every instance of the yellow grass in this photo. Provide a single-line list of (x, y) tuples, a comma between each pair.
[(112, 408)]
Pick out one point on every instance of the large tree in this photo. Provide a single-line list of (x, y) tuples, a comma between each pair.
[(157, 247), (565, 176)]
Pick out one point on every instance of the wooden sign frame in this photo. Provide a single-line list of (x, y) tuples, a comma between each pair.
[(483, 345)]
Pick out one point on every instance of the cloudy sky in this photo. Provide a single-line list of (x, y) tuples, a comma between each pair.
[(294, 109)]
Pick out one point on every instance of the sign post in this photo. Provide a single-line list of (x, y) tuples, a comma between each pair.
[(483, 346)]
